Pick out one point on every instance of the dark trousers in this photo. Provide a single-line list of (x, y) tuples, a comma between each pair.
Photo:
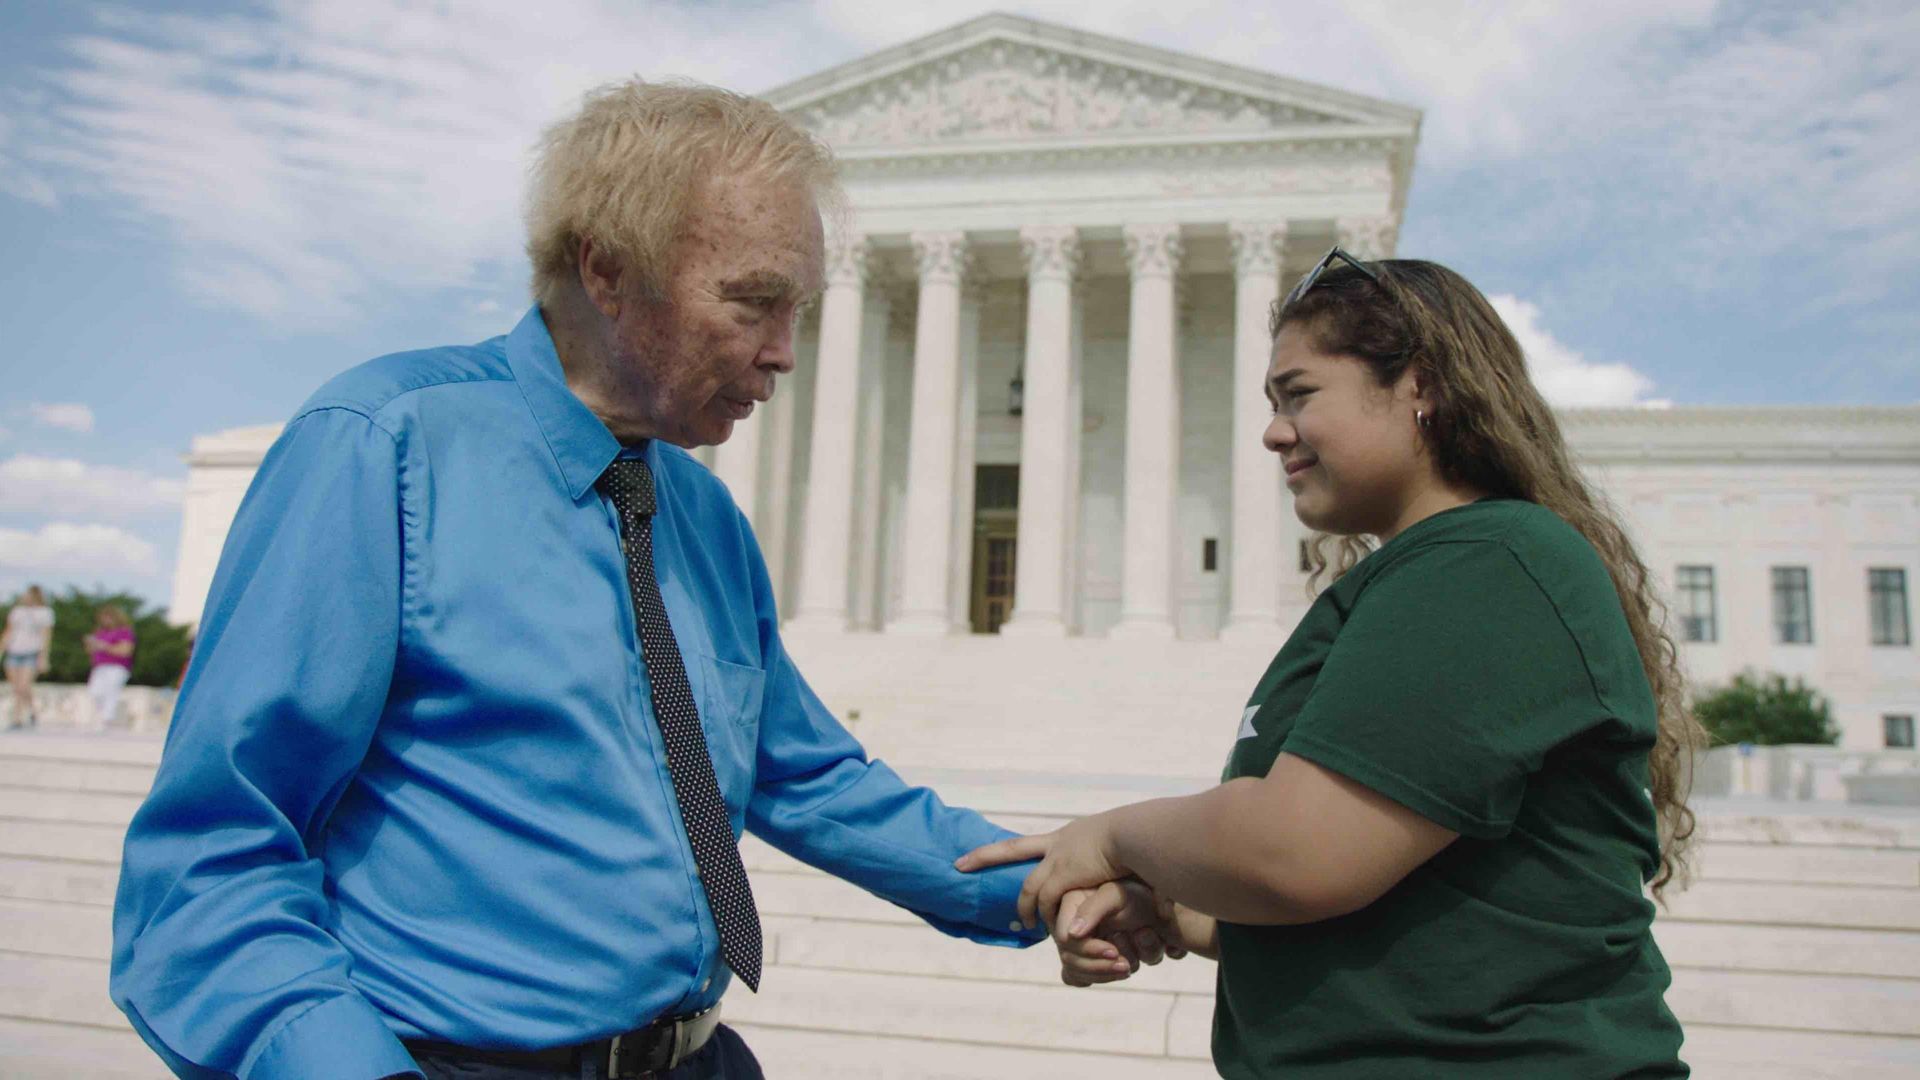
[(725, 1057)]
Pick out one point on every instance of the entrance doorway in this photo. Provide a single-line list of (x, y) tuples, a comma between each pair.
[(996, 530)]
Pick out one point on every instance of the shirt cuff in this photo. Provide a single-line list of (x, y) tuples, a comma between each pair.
[(343, 1037), (996, 919)]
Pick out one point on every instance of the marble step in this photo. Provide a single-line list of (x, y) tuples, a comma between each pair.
[(33, 1050), (1807, 864), (799, 1054), (1047, 1018), (92, 843), (1717, 1052), (1832, 906), (56, 926), (47, 928), (68, 807), (115, 747), (835, 945), (1714, 1053), (1851, 1004), (1860, 907), (51, 774), (1821, 824), (57, 989), (71, 990)]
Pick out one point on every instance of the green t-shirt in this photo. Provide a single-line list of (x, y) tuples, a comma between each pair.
[(1477, 669)]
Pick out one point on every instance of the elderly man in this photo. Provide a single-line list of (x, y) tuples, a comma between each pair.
[(490, 678)]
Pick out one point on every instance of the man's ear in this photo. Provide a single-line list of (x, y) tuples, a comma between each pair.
[(599, 277)]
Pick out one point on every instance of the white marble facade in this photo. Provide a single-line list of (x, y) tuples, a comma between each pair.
[(1100, 227)]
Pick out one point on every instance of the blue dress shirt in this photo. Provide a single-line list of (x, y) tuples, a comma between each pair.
[(414, 787)]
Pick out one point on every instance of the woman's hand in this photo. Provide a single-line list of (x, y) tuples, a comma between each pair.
[(1105, 934), (1078, 855)]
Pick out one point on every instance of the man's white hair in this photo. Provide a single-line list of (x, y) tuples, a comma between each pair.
[(625, 170)]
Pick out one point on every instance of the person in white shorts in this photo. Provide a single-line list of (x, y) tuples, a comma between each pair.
[(24, 646)]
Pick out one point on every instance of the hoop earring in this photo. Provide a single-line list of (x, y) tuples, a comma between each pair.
[(1420, 419)]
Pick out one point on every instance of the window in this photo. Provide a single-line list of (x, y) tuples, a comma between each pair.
[(1210, 555), (1887, 604), (1792, 606), (1693, 589), (1899, 729)]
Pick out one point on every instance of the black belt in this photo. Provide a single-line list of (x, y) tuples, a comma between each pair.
[(633, 1055)]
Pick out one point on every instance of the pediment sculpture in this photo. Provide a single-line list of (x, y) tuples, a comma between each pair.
[(1012, 91)]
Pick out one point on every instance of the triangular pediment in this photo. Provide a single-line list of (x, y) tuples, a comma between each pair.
[(1002, 78)]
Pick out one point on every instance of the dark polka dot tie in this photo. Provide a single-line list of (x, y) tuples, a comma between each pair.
[(716, 854)]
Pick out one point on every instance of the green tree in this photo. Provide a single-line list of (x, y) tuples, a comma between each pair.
[(160, 648), (1767, 711)]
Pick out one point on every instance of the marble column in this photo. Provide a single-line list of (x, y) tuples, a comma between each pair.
[(1049, 435), (1368, 238), (870, 461), (778, 460), (1263, 551), (966, 439), (1153, 434), (942, 259), (737, 463), (825, 549)]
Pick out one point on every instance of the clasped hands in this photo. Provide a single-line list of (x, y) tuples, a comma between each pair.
[(1104, 921)]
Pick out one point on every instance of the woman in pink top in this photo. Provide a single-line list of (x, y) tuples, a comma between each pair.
[(111, 646)]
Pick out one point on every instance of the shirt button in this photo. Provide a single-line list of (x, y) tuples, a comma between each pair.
[(706, 984), (1016, 925)]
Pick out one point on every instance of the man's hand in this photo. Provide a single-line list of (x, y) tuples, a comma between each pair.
[(1077, 855)]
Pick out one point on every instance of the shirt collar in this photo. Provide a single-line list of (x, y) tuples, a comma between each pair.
[(581, 445)]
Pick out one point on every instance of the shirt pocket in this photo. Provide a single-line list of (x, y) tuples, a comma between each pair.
[(730, 699)]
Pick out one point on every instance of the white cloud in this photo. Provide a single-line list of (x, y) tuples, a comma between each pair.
[(44, 485), (1563, 375), (313, 158), (309, 159), (69, 416), (83, 552)]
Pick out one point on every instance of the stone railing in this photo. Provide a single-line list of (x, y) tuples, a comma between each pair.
[(66, 707), (1810, 774)]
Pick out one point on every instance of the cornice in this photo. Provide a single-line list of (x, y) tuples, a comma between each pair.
[(1293, 144), (1229, 78), (1791, 435), (1694, 417)]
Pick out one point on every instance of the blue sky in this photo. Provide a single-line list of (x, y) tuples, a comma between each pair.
[(208, 208)]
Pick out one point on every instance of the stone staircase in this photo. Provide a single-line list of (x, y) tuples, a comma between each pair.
[(1796, 952)]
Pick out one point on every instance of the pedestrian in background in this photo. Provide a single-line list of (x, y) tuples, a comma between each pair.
[(111, 647), (24, 643)]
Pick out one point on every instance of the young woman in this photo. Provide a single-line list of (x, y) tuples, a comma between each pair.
[(111, 647), (1452, 783), (24, 644)]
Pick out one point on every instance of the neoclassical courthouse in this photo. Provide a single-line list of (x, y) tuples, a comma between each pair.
[(1018, 477)]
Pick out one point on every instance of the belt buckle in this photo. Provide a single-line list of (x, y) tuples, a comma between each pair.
[(636, 1055)]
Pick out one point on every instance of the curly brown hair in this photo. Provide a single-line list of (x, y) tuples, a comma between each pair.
[(1491, 431)]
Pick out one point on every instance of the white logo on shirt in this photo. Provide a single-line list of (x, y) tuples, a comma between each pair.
[(1246, 722)]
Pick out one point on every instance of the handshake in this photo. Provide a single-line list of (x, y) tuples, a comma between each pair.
[(1105, 920), (1105, 933)]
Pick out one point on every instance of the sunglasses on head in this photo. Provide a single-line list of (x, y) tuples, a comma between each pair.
[(1312, 276)]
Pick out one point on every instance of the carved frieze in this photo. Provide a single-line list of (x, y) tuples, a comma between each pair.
[(1008, 90)]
